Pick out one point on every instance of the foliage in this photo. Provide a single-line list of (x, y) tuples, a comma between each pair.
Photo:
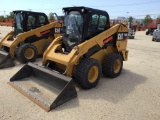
[(1, 18), (158, 19), (51, 17), (10, 16), (130, 19), (137, 22), (147, 19)]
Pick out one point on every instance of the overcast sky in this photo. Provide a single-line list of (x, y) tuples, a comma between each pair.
[(115, 8)]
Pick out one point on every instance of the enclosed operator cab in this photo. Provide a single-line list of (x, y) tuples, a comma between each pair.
[(81, 23), (27, 20)]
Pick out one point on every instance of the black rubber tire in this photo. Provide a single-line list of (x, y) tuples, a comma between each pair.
[(21, 50), (147, 32), (131, 37), (156, 40), (153, 39), (108, 65), (46, 46), (82, 70)]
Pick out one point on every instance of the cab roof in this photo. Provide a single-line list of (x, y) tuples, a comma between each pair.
[(24, 11), (85, 8)]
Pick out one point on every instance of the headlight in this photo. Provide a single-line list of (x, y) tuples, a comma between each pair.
[(82, 10)]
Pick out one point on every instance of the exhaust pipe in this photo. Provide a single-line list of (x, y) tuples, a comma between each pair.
[(5, 60), (44, 87)]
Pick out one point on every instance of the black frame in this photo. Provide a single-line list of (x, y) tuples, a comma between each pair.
[(87, 16), (25, 17)]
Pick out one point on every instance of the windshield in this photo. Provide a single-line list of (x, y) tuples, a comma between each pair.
[(19, 21), (74, 25)]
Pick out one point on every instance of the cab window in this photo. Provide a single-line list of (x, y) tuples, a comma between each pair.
[(42, 20), (102, 23), (93, 25), (31, 22)]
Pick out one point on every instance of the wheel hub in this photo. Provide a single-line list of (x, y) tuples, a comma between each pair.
[(29, 53), (117, 66), (93, 74)]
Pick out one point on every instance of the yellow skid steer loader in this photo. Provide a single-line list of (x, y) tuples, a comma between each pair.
[(87, 48), (31, 35)]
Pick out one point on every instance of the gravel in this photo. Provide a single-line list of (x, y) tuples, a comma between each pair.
[(134, 95)]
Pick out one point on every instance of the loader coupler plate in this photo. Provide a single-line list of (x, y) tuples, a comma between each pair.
[(44, 87), (5, 60)]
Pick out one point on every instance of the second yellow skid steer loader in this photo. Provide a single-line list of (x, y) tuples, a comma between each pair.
[(87, 48), (31, 35)]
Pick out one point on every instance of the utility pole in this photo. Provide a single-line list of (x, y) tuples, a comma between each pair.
[(127, 16), (4, 13)]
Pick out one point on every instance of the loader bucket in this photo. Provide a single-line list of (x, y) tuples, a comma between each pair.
[(5, 60), (44, 87)]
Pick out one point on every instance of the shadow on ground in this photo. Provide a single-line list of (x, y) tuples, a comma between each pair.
[(114, 90), (111, 90)]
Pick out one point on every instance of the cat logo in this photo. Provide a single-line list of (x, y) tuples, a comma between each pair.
[(57, 30), (122, 36)]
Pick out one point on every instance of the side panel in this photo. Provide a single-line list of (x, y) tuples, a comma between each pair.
[(121, 43), (79, 51), (40, 45)]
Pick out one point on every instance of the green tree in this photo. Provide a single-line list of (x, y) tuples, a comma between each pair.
[(51, 17), (2, 18), (158, 19), (10, 16), (130, 19), (147, 19)]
